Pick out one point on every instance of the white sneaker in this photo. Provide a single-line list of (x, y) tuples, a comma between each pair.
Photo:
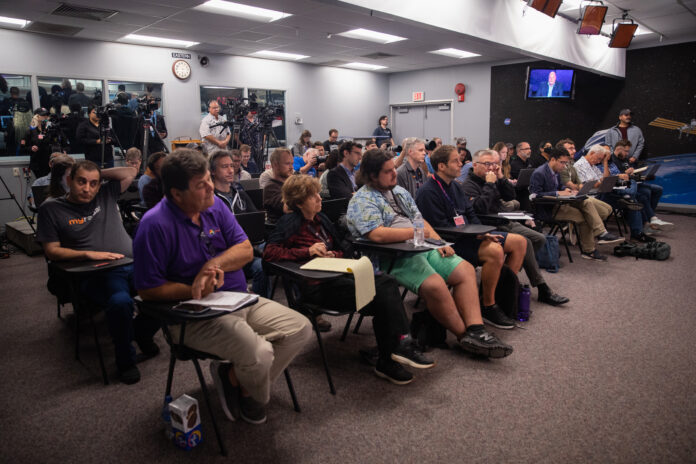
[(655, 222)]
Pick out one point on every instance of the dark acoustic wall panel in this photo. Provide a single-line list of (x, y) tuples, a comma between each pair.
[(660, 82)]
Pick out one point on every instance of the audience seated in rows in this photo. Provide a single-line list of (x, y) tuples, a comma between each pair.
[(248, 164), (151, 191), (257, 342), (307, 163), (281, 166), (412, 174), (305, 233), (383, 212), (341, 179), (332, 161)]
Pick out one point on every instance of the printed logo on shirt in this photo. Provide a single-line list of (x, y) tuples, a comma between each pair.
[(85, 219)]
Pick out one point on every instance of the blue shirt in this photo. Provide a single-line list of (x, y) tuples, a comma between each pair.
[(169, 247), (369, 209), (351, 176), (382, 135), (299, 163), (464, 172)]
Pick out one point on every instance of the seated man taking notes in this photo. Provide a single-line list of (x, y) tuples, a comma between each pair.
[(190, 245)]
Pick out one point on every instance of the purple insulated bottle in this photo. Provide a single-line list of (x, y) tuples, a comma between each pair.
[(523, 308)]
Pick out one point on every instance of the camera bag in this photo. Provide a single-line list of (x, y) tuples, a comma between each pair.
[(659, 251)]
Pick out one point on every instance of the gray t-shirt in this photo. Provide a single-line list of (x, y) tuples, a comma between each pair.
[(93, 226), (401, 220)]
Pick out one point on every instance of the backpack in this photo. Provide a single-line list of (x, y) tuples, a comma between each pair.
[(659, 251), (548, 256), (507, 292)]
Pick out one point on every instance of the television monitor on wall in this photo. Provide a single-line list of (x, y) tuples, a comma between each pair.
[(549, 83)]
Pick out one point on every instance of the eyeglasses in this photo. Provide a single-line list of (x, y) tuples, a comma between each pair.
[(488, 164), (564, 163)]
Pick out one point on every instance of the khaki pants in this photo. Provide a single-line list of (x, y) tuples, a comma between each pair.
[(588, 218), (260, 340)]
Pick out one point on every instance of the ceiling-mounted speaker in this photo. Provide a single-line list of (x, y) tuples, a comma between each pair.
[(204, 61)]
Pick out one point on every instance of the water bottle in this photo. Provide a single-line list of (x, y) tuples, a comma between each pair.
[(418, 230), (167, 418), (523, 307)]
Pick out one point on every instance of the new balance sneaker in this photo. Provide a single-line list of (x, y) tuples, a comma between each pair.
[(658, 223), (393, 372), (594, 255), (408, 354), (642, 238), (251, 410), (484, 343), (228, 393), (606, 238), (495, 316)]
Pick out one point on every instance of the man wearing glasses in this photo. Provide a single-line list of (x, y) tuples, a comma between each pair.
[(547, 182), (341, 179), (520, 160), (215, 138)]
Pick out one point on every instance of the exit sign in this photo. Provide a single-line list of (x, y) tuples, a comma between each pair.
[(418, 96)]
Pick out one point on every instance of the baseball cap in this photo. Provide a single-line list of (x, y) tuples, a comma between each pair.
[(41, 111), (624, 111)]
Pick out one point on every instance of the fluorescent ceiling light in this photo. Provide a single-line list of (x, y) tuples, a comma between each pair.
[(279, 55), (242, 11), (14, 21), (372, 36), (159, 40), (640, 31), (217, 87), (364, 66), (454, 53)]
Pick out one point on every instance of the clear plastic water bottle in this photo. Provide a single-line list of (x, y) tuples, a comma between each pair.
[(418, 230), (167, 418), (523, 307)]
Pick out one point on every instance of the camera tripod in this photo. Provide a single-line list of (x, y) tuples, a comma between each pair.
[(12, 196), (149, 128)]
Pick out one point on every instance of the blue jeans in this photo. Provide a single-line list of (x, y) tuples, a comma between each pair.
[(635, 219), (260, 283), (112, 289), (649, 195)]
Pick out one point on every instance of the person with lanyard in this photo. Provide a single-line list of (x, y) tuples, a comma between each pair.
[(383, 212), (305, 233), (444, 204), (382, 134), (412, 173)]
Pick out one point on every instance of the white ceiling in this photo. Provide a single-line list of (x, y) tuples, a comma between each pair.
[(312, 27)]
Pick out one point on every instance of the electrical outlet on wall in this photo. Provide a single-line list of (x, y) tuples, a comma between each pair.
[(15, 172)]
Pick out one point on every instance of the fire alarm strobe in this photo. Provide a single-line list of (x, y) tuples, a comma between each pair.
[(459, 89)]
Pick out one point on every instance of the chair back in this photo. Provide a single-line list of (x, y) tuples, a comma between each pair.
[(250, 184), (40, 194), (253, 225), (334, 209), (256, 196)]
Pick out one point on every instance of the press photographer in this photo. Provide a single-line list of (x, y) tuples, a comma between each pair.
[(45, 137), (214, 130), (95, 130)]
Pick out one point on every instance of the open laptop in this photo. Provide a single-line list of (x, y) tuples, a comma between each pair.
[(651, 172), (524, 177)]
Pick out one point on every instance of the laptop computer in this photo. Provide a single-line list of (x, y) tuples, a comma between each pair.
[(524, 177), (653, 169), (607, 184)]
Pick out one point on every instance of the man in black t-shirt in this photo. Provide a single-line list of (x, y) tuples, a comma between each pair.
[(332, 143), (85, 224)]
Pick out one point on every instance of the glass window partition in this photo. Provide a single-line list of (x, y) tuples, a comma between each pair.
[(15, 113)]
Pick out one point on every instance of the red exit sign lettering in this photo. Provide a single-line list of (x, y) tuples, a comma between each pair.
[(418, 96)]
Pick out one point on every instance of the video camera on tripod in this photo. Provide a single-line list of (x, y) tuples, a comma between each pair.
[(53, 130), (147, 104)]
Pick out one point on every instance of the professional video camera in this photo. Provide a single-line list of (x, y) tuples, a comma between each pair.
[(103, 112), (53, 130), (269, 113), (148, 104)]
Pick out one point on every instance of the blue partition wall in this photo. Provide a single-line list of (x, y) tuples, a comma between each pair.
[(677, 175)]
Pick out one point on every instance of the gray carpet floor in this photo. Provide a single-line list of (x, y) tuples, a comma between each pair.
[(608, 378)]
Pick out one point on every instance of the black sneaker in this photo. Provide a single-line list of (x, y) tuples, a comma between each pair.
[(228, 393), (484, 344), (642, 238), (595, 255), (251, 410), (129, 375), (495, 316), (408, 354), (393, 372), (606, 238)]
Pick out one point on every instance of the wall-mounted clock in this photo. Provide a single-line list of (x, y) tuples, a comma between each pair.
[(181, 69)]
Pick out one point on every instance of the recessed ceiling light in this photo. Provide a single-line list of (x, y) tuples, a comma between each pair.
[(158, 40), (454, 53), (279, 55), (242, 11), (372, 36), (14, 21), (364, 66)]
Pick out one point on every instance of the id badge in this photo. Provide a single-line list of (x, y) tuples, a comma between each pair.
[(41, 136), (458, 220)]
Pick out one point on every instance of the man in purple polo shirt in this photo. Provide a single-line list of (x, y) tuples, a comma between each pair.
[(190, 245)]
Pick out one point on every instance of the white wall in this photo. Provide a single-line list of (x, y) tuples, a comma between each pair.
[(471, 117), (325, 97)]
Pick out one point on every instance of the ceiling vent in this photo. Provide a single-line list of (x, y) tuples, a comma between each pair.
[(83, 12), (378, 56), (55, 29)]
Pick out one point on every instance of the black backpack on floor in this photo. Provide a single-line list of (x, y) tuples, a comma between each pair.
[(659, 251)]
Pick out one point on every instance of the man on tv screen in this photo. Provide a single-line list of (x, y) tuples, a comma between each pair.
[(550, 87)]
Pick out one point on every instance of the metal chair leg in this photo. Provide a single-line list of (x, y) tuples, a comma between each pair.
[(76, 315), (357, 325), (332, 389), (99, 351), (347, 327), (565, 243), (291, 387), (170, 374), (201, 379)]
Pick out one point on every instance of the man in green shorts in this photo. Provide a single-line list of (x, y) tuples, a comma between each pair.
[(382, 211)]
